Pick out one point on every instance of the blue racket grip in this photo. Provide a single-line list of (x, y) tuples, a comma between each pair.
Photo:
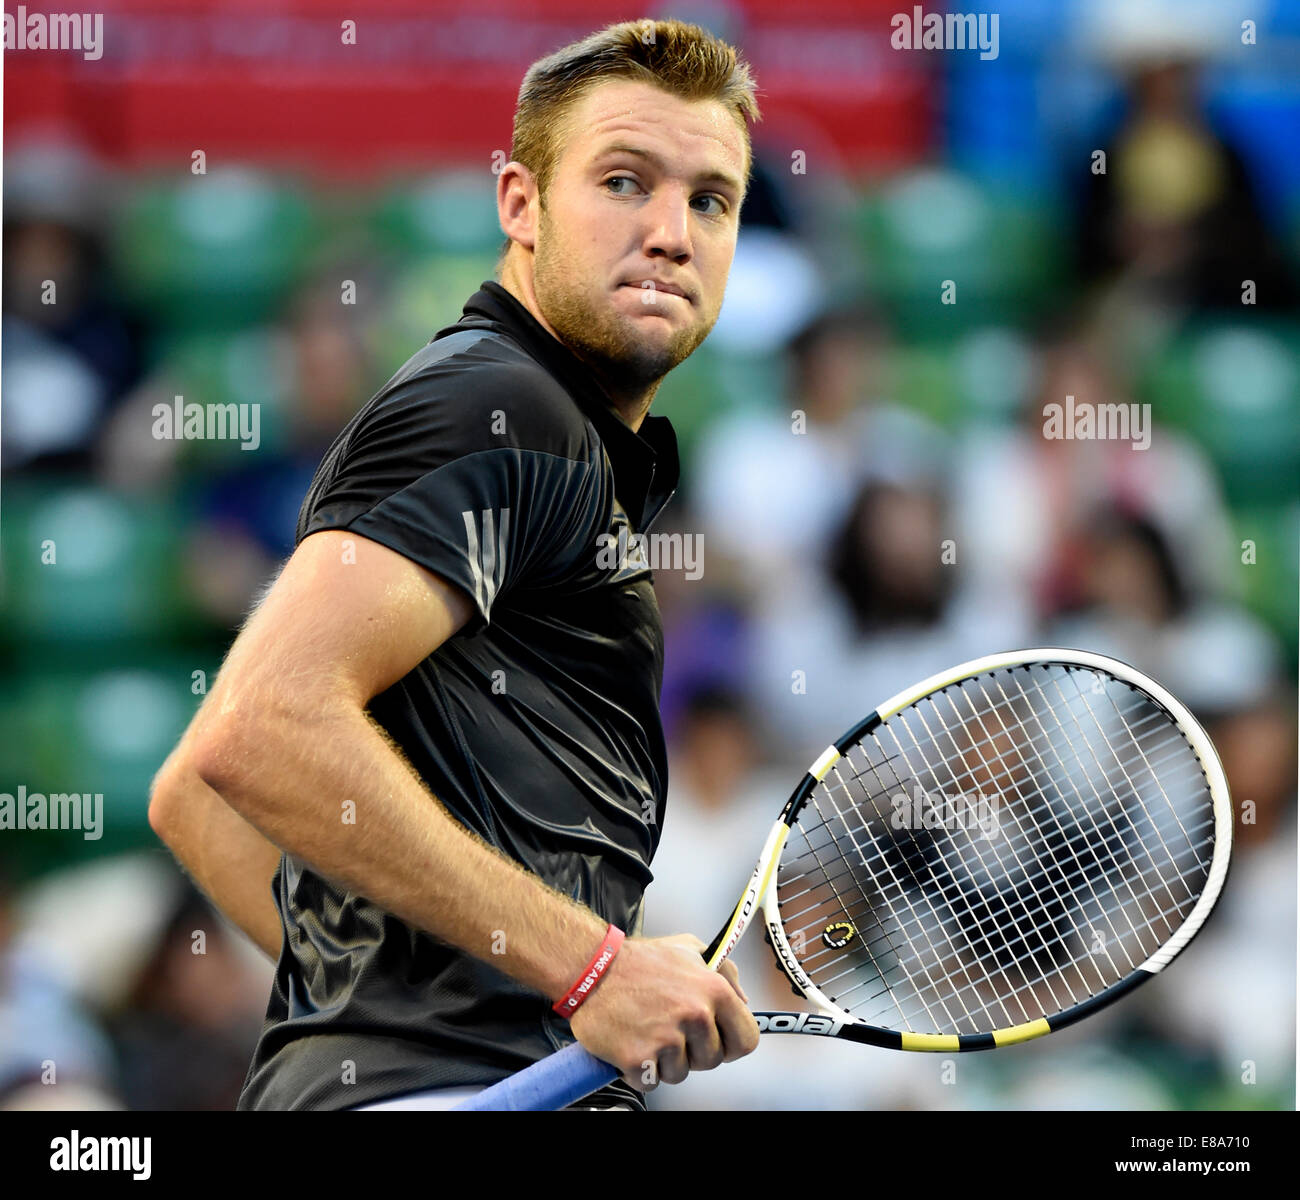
[(555, 1082)]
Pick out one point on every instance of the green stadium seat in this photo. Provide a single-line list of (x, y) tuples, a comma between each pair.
[(1001, 250), (95, 732), (1248, 381), (1271, 584), (242, 367), (116, 575), (218, 250), (923, 379), (428, 295), (452, 212), (1234, 387)]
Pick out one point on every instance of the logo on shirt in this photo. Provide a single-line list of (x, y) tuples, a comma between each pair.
[(485, 540)]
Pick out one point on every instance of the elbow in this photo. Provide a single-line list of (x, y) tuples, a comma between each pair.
[(221, 758), (161, 807), (213, 754), (240, 754), (166, 798)]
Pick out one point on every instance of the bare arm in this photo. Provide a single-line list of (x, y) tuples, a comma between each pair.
[(284, 740), (225, 856)]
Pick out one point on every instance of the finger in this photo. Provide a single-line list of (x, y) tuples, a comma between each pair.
[(704, 1047), (738, 1030), (672, 1065), (731, 974)]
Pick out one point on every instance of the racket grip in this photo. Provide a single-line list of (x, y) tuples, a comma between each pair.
[(555, 1082)]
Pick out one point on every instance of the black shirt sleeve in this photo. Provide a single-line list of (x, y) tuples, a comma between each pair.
[(482, 472)]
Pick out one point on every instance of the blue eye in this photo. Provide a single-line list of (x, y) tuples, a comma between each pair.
[(620, 179), (721, 205)]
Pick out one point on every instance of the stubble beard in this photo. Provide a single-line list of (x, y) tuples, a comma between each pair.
[(606, 341)]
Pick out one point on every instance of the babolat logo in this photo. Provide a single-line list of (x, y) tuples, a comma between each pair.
[(788, 960), (797, 1023)]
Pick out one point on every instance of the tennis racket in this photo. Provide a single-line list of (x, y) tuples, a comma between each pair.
[(990, 856)]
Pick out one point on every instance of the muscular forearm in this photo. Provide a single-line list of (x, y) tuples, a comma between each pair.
[(225, 856), (330, 789)]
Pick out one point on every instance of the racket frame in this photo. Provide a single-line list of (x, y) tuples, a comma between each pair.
[(836, 1022)]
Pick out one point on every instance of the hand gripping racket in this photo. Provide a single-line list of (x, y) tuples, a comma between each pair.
[(990, 856)]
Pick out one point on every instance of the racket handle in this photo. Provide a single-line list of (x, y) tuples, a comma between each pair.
[(555, 1082)]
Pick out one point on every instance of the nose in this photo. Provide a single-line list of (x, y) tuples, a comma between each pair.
[(668, 227)]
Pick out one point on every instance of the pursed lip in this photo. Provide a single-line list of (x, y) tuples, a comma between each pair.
[(657, 285)]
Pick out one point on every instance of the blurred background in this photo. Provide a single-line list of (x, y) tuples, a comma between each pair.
[(865, 461)]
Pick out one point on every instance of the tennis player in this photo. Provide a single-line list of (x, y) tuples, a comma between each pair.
[(430, 778)]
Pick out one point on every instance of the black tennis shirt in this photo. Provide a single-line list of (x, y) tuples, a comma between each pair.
[(493, 459)]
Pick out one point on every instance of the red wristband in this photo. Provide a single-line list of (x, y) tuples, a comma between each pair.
[(569, 1003)]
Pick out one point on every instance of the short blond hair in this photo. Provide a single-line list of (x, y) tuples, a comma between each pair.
[(683, 59)]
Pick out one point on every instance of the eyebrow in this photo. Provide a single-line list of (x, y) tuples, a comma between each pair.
[(712, 176)]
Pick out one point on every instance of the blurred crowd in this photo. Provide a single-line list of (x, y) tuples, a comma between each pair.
[(876, 500)]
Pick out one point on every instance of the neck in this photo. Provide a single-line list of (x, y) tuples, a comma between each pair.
[(631, 404)]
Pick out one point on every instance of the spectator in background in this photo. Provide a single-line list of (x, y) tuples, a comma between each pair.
[(107, 999), (328, 377), (249, 512), (773, 486), (1022, 498), (246, 505), (1174, 221), (184, 1035), (1245, 1033), (888, 608), (71, 350), (52, 1054), (1137, 606)]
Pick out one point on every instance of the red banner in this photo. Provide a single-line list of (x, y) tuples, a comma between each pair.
[(422, 82)]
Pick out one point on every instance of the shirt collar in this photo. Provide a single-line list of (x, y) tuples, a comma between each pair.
[(645, 463)]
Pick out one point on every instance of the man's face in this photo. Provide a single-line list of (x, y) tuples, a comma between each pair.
[(638, 228)]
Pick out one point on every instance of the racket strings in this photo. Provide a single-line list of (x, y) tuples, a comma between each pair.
[(972, 981), (1065, 840), (1133, 788), (949, 894), (901, 960), (1106, 843), (991, 955), (1175, 741), (992, 774), (1069, 845), (1103, 842), (1155, 776), (987, 929)]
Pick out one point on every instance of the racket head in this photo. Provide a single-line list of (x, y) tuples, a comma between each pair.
[(1108, 846)]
